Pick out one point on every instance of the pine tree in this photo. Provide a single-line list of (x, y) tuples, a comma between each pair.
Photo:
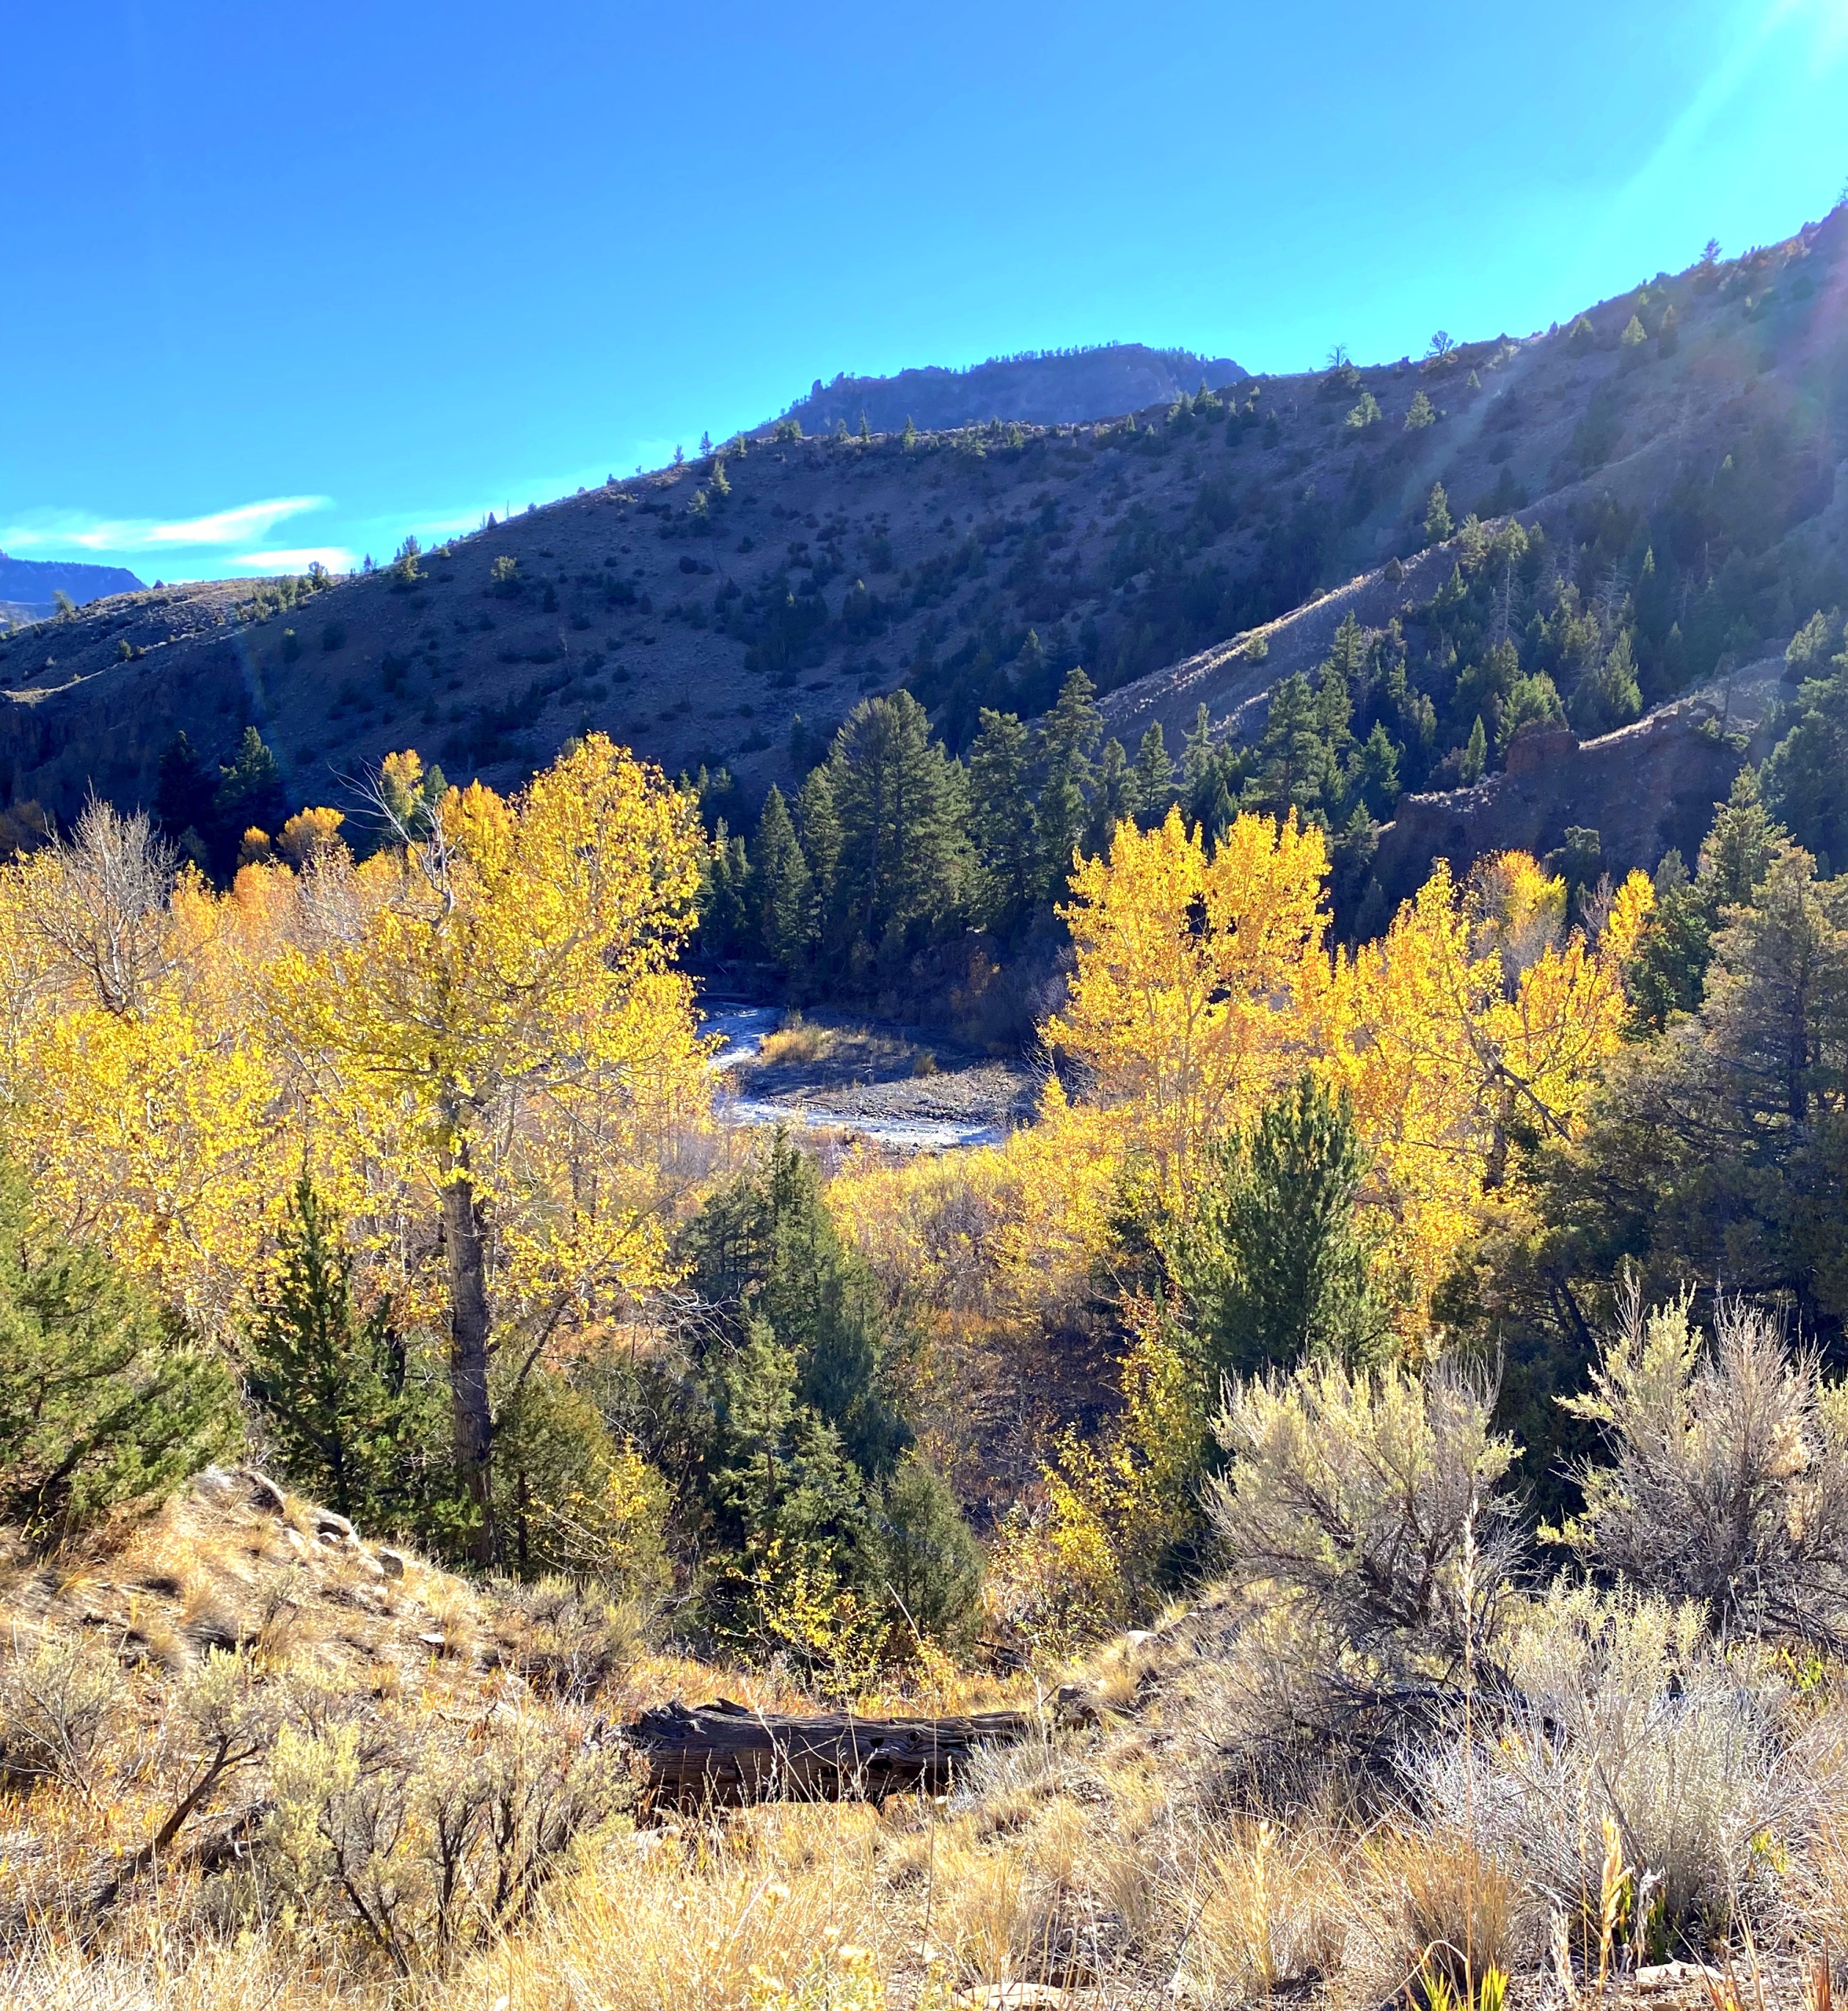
[(103, 1402), (1349, 652), (1419, 415), (766, 1254), (1475, 756), (1437, 515), (183, 793), (1196, 752), (1739, 849), (1805, 780), (1667, 972), (1113, 798), (1154, 776), (780, 893), (1067, 736), (332, 1385), (1292, 756), (724, 910), (1374, 772), (1002, 821), (900, 804), (1607, 695), (249, 793), (1275, 1262)]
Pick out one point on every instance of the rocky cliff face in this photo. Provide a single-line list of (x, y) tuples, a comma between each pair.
[(1645, 789)]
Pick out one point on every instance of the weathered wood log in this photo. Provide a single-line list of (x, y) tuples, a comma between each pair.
[(725, 1754)]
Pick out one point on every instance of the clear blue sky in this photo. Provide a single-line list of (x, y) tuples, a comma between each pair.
[(276, 280)]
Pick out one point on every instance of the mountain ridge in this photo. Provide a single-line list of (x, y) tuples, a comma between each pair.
[(731, 611), (1056, 387)]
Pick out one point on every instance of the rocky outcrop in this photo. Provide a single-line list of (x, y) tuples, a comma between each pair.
[(1646, 788)]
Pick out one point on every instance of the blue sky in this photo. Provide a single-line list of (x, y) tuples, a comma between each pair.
[(282, 282)]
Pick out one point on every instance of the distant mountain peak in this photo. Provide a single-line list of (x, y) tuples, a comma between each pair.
[(31, 584)]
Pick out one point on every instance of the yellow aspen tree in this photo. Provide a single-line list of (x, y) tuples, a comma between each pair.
[(1477, 1015), (502, 973), (1193, 973)]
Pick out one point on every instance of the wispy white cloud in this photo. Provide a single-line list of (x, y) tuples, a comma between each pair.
[(58, 531), (335, 558)]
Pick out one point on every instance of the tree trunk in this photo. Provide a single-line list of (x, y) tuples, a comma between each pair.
[(726, 1754), (473, 1422)]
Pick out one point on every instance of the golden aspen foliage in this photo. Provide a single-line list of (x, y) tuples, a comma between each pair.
[(1193, 973), (501, 987), (1477, 1016), (308, 833)]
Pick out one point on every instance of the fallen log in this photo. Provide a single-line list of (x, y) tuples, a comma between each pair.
[(726, 1754)]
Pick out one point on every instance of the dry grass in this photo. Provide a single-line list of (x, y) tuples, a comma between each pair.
[(1131, 1859)]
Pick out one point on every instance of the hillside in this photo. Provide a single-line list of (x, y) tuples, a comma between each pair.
[(1678, 444), (1058, 389)]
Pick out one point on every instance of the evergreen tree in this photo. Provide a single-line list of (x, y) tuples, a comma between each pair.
[(1067, 736), (724, 910), (1154, 776), (899, 801), (103, 1402), (1805, 780), (1274, 1263), (932, 1566), (332, 1385), (765, 1250), (780, 890), (1475, 756), (1667, 972), (818, 828), (183, 793), (1437, 515), (1197, 751), (1374, 772), (1739, 849), (1530, 701), (1113, 798), (1002, 821), (249, 794), (1608, 694), (1292, 756), (1348, 653)]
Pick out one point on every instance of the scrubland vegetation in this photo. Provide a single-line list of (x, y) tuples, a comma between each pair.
[(1434, 1589)]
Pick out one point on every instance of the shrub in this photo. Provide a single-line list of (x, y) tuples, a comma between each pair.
[(103, 1402), (1371, 1501), (1729, 1481), (333, 636), (56, 1703), (1634, 1738), (432, 1848)]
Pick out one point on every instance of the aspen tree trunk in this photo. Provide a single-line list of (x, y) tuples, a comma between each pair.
[(473, 1422)]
